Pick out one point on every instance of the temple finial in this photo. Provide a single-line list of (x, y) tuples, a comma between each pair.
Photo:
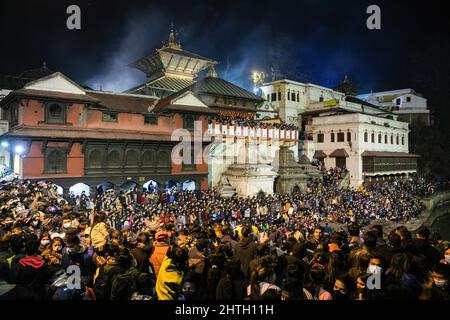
[(173, 37), (212, 72)]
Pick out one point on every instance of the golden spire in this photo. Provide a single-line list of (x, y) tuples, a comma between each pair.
[(171, 36), (172, 39)]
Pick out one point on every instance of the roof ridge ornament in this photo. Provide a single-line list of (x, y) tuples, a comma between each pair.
[(212, 72), (173, 36)]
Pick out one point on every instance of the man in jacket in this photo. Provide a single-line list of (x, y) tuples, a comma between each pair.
[(245, 250)]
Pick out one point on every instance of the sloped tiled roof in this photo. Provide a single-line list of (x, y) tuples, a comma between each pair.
[(51, 95), (221, 87), (339, 153), (48, 132), (122, 102), (185, 53), (319, 154), (36, 73), (169, 83)]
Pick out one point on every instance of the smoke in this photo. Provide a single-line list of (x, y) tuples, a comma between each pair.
[(143, 34), (305, 51)]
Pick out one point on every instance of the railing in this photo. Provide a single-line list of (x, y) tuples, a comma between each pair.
[(253, 133)]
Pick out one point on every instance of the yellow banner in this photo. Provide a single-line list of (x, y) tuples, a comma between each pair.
[(236, 114), (270, 121), (329, 103)]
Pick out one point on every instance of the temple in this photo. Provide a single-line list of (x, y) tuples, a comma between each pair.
[(56, 129), (169, 69)]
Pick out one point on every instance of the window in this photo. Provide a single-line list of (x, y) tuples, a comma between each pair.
[(403, 140), (55, 113), (132, 158), (95, 158), (379, 138), (392, 139), (150, 120), (397, 102), (408, 99), (274, 97), (332, 137), (298, 97), (55, 160), (321, 99), (320, 138), (397, 139), (349, 136), (293, 96), (14, 114), (289, 95), (109, 116), (365, 136), (340, 137), (268, 97), (373, 138), (385, 139), (188, 122), (279, 95), (114, 159)]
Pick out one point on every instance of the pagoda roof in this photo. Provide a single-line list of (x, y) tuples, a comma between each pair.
[(37, 73), (220, 87), (185, 53), (169, 83), (172, 61)]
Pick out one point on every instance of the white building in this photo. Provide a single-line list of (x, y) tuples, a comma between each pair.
[(409, 105), (291, 98), (367, 145), (347, 131)]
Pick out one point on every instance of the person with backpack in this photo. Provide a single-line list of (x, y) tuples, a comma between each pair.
[(105, 273)]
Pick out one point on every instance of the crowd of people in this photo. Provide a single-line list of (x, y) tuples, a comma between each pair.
[(249, 122), (189, 245)]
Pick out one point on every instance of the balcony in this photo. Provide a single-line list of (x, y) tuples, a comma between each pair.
[(273, 134)]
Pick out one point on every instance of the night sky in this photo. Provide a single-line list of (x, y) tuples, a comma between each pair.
[(310, 41)]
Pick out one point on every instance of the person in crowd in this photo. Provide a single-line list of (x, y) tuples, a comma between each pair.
[(160, 248), (30, 269), (245, 249), (170, 277)]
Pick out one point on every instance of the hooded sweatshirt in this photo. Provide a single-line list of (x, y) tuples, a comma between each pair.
[(245, 252)]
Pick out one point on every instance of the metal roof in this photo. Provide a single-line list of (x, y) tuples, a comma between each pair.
[(185, 53), (174, 84), (221, 87)]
